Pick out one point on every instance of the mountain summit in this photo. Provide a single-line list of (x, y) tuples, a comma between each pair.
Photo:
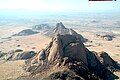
[(62, 30), (66, 58), (60, 25)]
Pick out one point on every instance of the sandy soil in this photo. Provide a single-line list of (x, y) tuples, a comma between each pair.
[(98, 45), (27, 43), (10, 30), (10, 70)]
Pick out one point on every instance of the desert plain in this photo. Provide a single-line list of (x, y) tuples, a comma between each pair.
[(93, 29)]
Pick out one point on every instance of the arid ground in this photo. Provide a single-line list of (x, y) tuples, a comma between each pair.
[(10, 70)]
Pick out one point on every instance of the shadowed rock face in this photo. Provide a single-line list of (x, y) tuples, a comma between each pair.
[(107, 61), (67, 50), (60, 29), (25, 55), (60, 25), (64, 75), (67, 46)]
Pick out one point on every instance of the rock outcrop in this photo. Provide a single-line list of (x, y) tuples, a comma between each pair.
[(64, 75), (26, 32), (108, 62), (41, 27), (66, 58), (17, 55), (67, 46), (62, 30), (24, 55), (2, 54), (105, 37)]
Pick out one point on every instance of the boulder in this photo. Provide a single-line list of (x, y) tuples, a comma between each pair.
[(1, 54), (41, 55), (7, 56), (18, 50)]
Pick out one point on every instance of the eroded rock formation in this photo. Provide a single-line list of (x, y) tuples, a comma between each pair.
[(66, 58), (62, 30)]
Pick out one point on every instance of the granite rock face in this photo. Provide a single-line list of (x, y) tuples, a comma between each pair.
[(68, 59), (108, 62), (62, 30), (67, 46)]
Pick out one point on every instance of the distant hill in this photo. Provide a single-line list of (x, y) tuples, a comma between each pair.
[(25, 32), (41, 27)]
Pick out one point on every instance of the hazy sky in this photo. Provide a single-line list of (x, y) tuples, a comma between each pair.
[(58, 5), (34, 7)]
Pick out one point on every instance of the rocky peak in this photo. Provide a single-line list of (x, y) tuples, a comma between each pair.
[(62, 30), (67, 50), (60, 25), (67, 46)]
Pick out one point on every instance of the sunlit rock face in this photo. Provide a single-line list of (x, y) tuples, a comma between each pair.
[(67, 46), (62, 30), (67, 56)]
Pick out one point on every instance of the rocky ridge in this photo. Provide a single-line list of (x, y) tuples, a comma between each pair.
[(66, 58)]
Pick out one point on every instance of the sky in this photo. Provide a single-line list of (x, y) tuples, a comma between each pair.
[(29, 6)]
